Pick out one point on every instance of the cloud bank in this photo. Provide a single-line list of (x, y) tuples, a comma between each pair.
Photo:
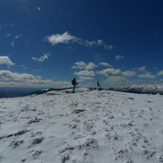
[(7, 75), (116, 72), (13, 79), (114, 77)]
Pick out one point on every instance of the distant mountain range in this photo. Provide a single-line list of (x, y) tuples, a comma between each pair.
[(19, 92), (140, 89), (47, 90), (12, 94), (15, 92)]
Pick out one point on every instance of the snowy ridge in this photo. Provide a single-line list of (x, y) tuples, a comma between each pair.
[(84, 127)]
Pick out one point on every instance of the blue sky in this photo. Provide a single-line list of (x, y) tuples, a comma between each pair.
[(46, 43)]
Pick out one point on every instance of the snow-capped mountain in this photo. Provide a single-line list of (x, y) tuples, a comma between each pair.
[(146, 88)]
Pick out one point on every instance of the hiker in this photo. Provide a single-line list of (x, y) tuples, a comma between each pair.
[(74, 83)]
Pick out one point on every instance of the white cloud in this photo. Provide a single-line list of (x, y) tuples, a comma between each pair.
[(45, 84), (24, 67), (111, 72), (85, 73), (96, 43), (8, 34), (16, 37), (90, 66), (12, 43), (42, 58), (6, 60), (147, 75), (12, 79), (61, 84), (79, 65), (85, 78), (109, 47), (6, 75), (116, 72), (143, 69), (68, 38), (83, 65), (119, 57), (101, 42), (129, 73), (105, 64), (88, 43), (115, 79), (160, 73), (62, 38)]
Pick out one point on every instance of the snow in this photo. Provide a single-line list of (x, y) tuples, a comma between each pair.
[(84, 127)]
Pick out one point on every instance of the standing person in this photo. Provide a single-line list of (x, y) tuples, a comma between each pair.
[(74, 83)]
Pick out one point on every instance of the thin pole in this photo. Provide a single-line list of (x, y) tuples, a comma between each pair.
[(97, 83)]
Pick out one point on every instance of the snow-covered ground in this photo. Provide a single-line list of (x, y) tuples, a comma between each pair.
[(84, 127)]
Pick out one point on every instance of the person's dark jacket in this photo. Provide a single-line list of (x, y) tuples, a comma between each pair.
[(74, 82)]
